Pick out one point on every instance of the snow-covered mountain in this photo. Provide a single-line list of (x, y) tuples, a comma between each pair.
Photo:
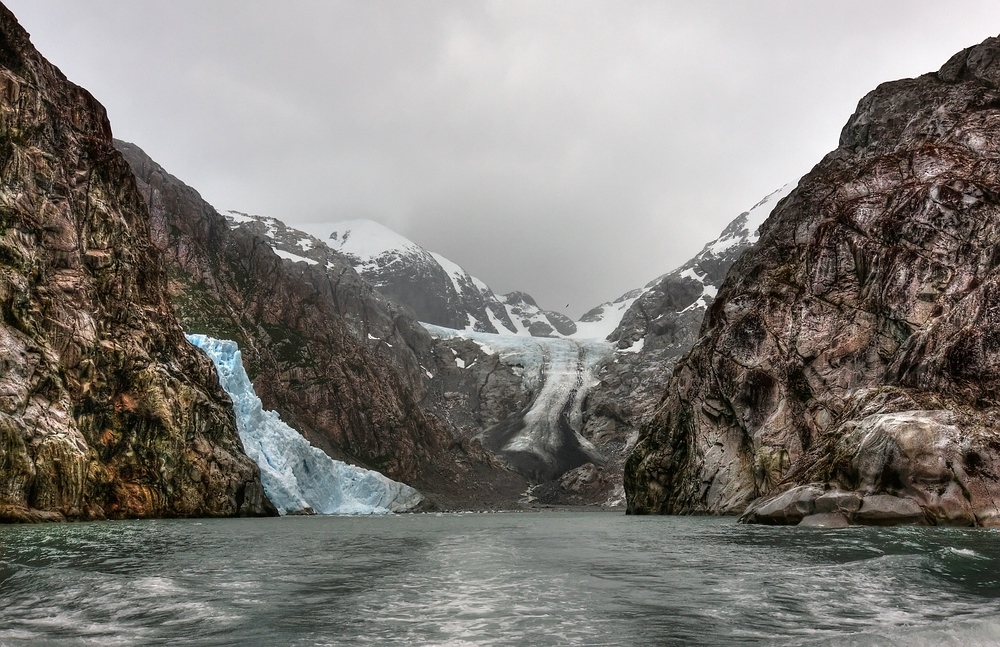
[(669, 304), (558, 400), (436, 289)]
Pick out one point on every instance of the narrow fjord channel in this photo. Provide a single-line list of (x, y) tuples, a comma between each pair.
[(557, 578)]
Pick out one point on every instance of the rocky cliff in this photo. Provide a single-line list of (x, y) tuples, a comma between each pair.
[(105, 410), (849, 364), (656, 325), (338, 362)]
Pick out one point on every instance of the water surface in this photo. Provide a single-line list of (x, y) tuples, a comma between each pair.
[(495, 579)]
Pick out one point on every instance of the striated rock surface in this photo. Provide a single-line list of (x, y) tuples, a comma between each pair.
[(105, 410), (855, 347), (338, 362)]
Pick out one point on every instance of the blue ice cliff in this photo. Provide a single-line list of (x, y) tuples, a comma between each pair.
[(298, 477)]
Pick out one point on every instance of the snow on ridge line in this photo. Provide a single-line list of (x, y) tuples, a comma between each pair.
[(365, 240), (452, 269), (294, 257), (611, 316), (757, 215), (297, 476), (611, 313)]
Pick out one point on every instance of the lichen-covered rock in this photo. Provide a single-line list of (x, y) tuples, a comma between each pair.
[(105, 410), (879, 270)]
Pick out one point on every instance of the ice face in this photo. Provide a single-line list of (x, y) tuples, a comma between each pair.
[(297, 476)]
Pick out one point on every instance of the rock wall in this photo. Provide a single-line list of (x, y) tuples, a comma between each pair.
[(877, 275), (105, 410)]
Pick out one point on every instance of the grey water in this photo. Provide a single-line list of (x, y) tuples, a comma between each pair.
[(556, 578)]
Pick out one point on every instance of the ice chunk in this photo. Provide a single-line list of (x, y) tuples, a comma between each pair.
[(297, 476)]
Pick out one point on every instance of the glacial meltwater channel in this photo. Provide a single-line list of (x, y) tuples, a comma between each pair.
[(557, 578)]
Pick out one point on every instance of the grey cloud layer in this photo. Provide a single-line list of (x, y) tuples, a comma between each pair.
[(570, 149)]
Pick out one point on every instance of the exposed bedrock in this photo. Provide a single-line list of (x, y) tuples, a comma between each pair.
[(855, 347), (891, 462)]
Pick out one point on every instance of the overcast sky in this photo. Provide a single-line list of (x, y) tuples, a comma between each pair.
[(570, 149)]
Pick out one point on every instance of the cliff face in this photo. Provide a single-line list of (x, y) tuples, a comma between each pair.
[(105, 409), (659, 324), (856, 346), (333, 357)]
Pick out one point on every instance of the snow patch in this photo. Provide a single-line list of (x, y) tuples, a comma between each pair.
[(294, 257), (238, 217), (599, 326), (453, 270), (635, 347), (500, 326)]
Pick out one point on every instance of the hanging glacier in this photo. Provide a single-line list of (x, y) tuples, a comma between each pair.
[(297, 476)]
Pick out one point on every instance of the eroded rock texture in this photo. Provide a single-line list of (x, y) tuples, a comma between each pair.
[(105, 410), (856, 346), (338, 362)]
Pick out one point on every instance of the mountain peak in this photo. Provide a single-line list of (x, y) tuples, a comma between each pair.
[(365, 239)]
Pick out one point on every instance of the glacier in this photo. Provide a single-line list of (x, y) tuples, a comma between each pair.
[(298, 477), (545, 439)]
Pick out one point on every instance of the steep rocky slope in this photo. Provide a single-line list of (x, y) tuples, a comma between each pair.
[(520, 396), (849, 366), (339, 363), (105, 409)]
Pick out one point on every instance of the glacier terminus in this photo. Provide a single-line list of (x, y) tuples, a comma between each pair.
[(298, 477)]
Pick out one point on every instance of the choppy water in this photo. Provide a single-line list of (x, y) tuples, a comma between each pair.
[(495, 579)]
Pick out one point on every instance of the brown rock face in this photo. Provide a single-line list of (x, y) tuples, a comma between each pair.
[(333, 357), (105, 409), (865, 314)]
